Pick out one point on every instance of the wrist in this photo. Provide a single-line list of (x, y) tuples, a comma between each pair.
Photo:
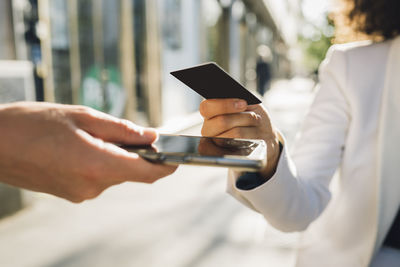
[(275, 148)]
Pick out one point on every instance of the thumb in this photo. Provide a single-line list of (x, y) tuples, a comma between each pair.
[(112, 129)]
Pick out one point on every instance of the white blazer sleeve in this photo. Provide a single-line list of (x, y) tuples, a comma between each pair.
[(299, 190)]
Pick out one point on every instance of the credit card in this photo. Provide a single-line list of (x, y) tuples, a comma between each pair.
[(211, 81)]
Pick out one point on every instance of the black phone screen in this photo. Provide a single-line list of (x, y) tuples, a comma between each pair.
[(196, 145)]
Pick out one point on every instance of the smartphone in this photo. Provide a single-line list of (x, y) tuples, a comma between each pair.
[(240, 154), (210, 81)]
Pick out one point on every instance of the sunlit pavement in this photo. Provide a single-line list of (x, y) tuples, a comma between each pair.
[(186, 219)]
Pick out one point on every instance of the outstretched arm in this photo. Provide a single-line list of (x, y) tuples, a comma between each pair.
[(67, 150)]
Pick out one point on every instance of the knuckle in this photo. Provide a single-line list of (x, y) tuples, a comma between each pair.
[(84, 110), (82, 113), (223, 121), (75, 199), (205, 129), (86, 192), (203, 108), (126, 129), (255, 118), (91, 191)]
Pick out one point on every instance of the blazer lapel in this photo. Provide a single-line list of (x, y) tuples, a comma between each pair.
[(389, 146)]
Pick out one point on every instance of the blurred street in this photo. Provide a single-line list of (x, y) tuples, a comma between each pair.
[(185, 220)]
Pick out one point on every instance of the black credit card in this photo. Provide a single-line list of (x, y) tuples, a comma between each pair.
[(211, 81)]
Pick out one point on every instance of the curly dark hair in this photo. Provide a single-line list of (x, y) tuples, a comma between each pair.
[(377, 18)]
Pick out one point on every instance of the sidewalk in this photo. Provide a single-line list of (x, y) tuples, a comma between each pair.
[(185, 220)]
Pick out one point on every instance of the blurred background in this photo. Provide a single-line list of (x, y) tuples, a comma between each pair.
[(116, 56)]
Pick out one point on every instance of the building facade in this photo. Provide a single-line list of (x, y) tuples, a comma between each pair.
[(116, 56)]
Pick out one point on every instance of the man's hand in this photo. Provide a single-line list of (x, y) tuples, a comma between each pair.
[(233, 118), (66, 150)]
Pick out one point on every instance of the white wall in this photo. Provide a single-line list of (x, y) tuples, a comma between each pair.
[(178, 99)]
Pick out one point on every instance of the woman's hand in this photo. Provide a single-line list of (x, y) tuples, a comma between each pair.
[(233, 118), (67, 150)]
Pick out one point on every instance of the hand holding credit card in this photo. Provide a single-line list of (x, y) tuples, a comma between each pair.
[(211, 81)]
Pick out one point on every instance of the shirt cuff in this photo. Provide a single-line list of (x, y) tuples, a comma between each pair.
[(251, 180)]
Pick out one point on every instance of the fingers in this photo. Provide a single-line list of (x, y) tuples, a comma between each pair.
[(213, 107), (222, 123), (108, 164), (112, 129), (136, 169)]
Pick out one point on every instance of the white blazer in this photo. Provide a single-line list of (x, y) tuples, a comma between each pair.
[(352, 129)]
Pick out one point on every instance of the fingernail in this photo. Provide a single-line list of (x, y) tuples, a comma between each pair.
[(240, 104), (150, 133)]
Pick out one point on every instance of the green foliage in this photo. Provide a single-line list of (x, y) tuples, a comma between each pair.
[(316, 44)]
